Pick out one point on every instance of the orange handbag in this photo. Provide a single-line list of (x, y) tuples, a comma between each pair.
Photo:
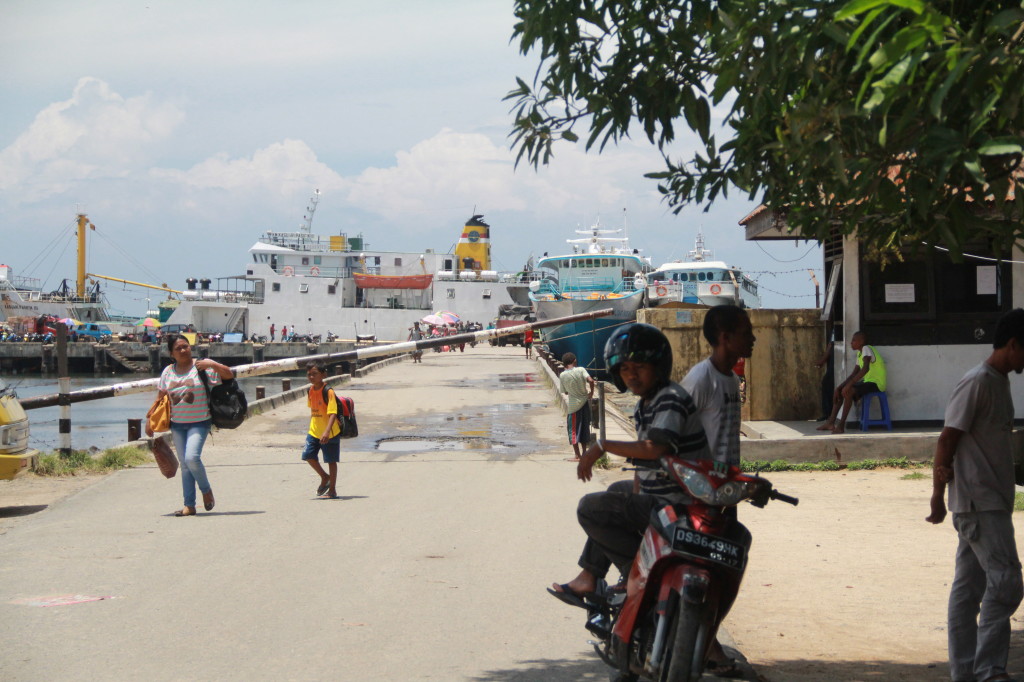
[(159, 415)]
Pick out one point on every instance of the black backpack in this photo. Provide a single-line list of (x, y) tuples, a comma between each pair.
[(346, 414), (228, 406)]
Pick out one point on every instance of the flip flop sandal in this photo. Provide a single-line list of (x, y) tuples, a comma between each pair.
[(187, 511), (322, 489), (567, 596)]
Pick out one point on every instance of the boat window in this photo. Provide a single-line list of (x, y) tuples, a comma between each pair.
[(590, 262), (398, 262), (604, 262), (331, 289), (276, 286), (316, 260), (303, 288), (451, 293), (305, 260), (700, 276)]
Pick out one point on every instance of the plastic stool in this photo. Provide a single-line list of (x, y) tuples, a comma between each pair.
[(865, 411)]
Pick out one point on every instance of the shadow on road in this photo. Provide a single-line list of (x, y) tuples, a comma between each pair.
[(21, 510), (549, 671), (216, 513)]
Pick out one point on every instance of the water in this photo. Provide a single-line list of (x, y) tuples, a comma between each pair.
[(104, 423)]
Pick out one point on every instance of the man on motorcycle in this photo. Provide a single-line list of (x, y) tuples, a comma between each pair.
[(639, 358)]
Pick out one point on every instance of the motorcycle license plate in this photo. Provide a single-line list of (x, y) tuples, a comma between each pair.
[(695, 543)]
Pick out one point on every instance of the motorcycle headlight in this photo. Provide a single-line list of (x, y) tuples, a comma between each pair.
[(696, 482)]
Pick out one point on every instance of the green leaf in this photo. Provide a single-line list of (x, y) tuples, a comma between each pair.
[(860, 6), (1001, 145)]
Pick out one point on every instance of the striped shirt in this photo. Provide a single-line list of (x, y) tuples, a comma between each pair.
[(669, 418), (189, 402)]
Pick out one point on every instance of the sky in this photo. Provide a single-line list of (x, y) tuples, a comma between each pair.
[(184, 130)]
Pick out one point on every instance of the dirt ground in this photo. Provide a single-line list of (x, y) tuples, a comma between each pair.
[(849, 585)]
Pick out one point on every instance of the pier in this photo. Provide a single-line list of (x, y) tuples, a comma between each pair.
[(135, 357)]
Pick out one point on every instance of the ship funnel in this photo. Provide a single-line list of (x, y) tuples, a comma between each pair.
[(474, 245)]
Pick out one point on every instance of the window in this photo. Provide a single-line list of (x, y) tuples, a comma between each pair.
[(487, 293), (398, 262), (926, 298), (451, 293), (305, 260), (276, 286), (331, 289), (317, 259), (303, 288), (604, 262), (700, 276)]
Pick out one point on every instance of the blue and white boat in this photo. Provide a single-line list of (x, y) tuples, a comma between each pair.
[(601, 272), (699, 279)]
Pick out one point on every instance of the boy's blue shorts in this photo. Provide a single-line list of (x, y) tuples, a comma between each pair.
[(331, 449)]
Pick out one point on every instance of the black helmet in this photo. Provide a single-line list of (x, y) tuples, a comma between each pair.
[(637, 343)]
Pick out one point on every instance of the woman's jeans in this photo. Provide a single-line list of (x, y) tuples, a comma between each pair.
[(188, 443)]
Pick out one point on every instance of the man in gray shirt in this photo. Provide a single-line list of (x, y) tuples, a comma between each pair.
[(974, 457)]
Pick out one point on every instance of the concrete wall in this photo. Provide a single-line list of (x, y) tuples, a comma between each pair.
[(782, 382)]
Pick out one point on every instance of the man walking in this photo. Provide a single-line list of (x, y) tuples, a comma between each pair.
[(578, 386), (974, 458)]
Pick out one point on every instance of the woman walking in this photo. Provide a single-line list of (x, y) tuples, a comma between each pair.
[(190, 416)]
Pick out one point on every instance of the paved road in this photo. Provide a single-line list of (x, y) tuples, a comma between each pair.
[(456, 509)]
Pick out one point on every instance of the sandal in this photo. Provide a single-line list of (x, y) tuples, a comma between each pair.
[(186, 511)]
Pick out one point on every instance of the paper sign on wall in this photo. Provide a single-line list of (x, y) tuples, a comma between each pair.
[(899, 293), (986, 280)]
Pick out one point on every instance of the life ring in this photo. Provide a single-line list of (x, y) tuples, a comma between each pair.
[(715, 289), (315, 271), (287, 271), (639, 281), (661, 291)]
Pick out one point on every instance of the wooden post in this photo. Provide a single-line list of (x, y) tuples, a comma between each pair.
[(64, 390), (261, 392), (134, 428), (286, 384)]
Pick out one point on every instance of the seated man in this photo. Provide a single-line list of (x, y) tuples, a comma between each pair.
[(638, 357), (867, 377)]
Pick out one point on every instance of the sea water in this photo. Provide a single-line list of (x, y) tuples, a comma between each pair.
[(103, 423)]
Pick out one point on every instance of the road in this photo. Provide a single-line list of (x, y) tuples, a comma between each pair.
[(456, 509)]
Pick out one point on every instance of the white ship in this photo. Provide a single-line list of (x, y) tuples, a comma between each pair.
[(601, 272), (701, 280), (338, 284)]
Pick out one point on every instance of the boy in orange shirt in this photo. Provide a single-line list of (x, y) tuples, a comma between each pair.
[(324, 432)]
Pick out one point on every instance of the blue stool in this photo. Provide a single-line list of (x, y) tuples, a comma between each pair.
[(865, 411)]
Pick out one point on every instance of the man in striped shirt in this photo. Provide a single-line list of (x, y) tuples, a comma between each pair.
[(638, 357)]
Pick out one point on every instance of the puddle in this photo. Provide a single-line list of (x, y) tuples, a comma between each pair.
[(498, 381), (426, 444)]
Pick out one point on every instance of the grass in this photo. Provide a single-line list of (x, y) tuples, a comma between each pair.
[(832, 465), (913, 476), (1018, 502), (82, 461)]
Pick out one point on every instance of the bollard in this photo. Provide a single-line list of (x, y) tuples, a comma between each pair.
[(261, 392), (286, 384), (134, 429)]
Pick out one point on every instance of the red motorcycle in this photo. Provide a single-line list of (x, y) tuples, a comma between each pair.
[(684, 578)]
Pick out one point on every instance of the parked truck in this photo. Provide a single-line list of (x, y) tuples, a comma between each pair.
[(16, 457), (511, 316)]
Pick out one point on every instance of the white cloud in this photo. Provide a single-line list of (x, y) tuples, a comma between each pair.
[(95, 134)]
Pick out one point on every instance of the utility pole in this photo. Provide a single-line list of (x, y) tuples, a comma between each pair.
[(817, 289)]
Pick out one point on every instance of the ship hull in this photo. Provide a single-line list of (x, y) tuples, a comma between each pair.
[(585, 339)]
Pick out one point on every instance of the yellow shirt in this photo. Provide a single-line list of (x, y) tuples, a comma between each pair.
[(320, 413)]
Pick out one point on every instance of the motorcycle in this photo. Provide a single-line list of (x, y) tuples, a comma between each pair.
[(331, 336), (683, 580)]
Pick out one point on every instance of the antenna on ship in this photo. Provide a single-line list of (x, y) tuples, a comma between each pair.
[(307, 220)]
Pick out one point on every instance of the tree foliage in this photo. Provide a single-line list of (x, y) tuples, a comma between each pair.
[(901, 119)]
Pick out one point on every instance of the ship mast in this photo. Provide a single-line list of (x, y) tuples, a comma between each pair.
[(83, 221), (307, 220)]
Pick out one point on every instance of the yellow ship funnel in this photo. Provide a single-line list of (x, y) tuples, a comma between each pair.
[(473, 252)]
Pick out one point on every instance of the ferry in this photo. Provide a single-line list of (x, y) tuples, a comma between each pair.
[(336, 284), (601, 272), (701, 280)]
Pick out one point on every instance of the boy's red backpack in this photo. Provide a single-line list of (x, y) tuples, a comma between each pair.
[(346, 414)]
